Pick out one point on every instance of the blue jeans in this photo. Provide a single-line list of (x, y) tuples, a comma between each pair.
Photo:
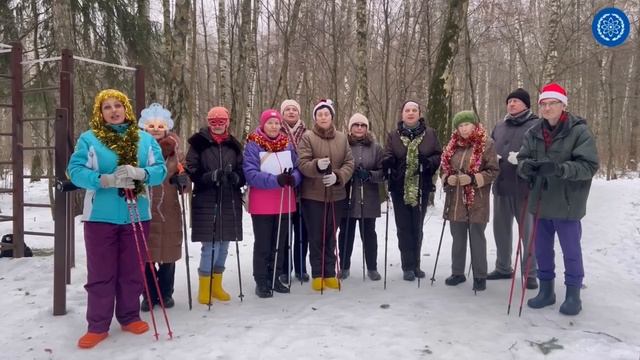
[(219, 250), (569, 234)]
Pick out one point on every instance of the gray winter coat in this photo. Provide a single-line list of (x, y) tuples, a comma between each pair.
[(368, 154), (574, 149), (508, 135)]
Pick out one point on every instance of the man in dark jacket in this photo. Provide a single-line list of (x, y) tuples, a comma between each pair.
[(509, 190), (560, 158)]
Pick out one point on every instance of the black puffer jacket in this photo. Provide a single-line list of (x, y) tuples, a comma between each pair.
[(368, 154), (395, 156), (203, 157)]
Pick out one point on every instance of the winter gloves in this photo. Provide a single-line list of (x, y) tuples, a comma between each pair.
[(531, 168), (513, 157), (323, 164), (362, 174), (286, 178), (180, 181), (464, 180), (112, 181), (128, 171), (329, 179), (224, 177)]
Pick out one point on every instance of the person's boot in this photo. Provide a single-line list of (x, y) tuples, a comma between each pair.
[(304, 277), (145, 305), (344, 274), (374, 275), (409, 275), (479, 284), (137, 327), (263, 289), (316, 284), (280, 287), (168, 302), (332, 283), (90, 339), (546, 295), (419, 273), (217, 291), (496, 275), (572, 303), (454, 280), (203, 289), (532, 283)]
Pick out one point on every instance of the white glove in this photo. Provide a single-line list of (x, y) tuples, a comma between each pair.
[(112, 181), (513, 157), (329, 179), (324, 163), (128, 171), (499, 157)]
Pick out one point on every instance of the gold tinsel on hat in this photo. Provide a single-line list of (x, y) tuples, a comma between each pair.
[(124, 145)]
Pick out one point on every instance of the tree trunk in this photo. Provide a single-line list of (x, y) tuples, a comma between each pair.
[(439, 89), (223, 56), (362, 84), (550, 62), (178, 88)]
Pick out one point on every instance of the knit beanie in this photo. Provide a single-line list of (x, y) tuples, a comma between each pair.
[(289, 102), (553, 91), (268, 114), (522, 95), (358, 118), (465, 116), (324, 103)]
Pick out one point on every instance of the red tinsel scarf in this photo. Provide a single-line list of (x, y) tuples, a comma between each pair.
[(477, 141), (271, 145)]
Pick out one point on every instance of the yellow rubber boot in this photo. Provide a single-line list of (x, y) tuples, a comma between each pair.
[(316, 284), (217, 291), (332, 283), (203, 289)]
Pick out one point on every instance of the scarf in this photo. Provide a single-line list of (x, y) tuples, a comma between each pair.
[(549, 133), (411, 173), (271, 145), (329, 133), (477, 141), (294, 133)]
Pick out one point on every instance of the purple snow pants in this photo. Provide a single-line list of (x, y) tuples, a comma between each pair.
[(113, 274), (569, 234)]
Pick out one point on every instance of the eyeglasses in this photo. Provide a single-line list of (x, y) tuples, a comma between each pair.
[(549, 104), (359, 125)]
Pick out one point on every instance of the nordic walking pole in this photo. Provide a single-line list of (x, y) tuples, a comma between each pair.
[(362, 222), (419, 244), (217, 206), (532, 241), (289, 236), (386, 227), (444, 223), (275, 259), (229, 169), (518, 250), (184, 231), (346, 231), (300, 240)]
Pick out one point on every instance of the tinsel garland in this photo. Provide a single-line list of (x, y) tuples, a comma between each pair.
[(477, 140), (411, 176), (125, 146)]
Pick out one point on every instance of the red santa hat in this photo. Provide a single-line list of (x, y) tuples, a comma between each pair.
[(553, 91)]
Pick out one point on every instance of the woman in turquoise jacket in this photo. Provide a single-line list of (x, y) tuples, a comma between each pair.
[(114, 155)]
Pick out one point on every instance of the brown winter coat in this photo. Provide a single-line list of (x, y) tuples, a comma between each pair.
[(316, 144), (489, 169), (165, 235)]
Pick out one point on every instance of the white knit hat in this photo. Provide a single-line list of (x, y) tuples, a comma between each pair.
[(289, 102), (358, 118), (324, 103)]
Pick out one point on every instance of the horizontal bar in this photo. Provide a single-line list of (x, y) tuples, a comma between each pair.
[(47, 118), (38, 233), (6, 246), (6, 76), (38, 148), (6, 105), (36, 205), (6, 162), (6, 191), (5, 51), (42, 89), (6, 134), (35, 61), (5, 218), (6, 46), (103, 63)]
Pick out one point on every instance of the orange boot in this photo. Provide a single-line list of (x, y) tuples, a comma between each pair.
[(136, 327), (91, 339)]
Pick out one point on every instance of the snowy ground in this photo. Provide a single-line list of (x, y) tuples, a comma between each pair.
[(437, 322)]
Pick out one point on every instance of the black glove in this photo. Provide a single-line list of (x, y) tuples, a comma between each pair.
[(285, 179), (529, 168), (232, 179), (388, 163), (218, 177), (549, 168), (180, 181), (362, 174)]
